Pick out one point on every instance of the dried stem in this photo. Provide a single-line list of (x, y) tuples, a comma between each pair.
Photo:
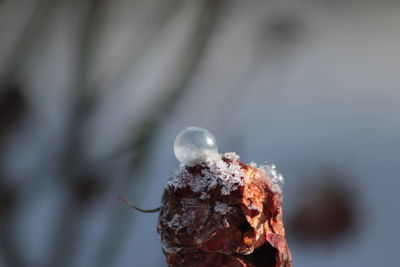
[(137, 208)]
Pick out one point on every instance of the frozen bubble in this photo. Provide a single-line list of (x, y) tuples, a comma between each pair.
[(280, 181), (276, 177), (193, 145)]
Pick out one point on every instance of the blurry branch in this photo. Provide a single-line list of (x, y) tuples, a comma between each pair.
[(149, 127), (35, 25), (147, 130), (83, 99), (168, 10), (72, 169), (9, 252), (277, 37), (12, 107)]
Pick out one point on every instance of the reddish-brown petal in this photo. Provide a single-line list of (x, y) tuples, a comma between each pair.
[(243, 228)]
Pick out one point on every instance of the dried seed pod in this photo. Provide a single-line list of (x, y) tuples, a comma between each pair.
[(222, 212)]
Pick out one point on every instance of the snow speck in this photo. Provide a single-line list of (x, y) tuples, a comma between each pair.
[(181, 221)]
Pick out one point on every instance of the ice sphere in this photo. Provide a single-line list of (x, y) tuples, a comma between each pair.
[(194, 144), (280, 180), (276, 177)]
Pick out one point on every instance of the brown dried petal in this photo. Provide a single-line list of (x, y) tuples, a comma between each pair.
[(243, 228)]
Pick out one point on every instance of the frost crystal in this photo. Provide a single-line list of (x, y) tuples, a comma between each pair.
[(232, 156), (276, 177), (221, 208), (215, 172), (253, 164), (179, 222), (253, 207)]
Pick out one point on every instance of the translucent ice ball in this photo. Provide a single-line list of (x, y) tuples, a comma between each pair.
[(193, 145), (276, 177)]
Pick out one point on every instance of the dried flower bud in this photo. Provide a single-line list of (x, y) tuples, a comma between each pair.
[(222, 212)]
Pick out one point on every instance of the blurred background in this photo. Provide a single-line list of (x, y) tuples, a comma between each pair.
[(93, 93)]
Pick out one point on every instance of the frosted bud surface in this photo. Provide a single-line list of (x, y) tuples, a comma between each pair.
[(193, 145), (276, 177)]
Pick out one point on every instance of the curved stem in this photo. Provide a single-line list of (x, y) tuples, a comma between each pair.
[(137, 208)]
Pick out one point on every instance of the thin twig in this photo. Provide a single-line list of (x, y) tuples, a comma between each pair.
[(137, 208)]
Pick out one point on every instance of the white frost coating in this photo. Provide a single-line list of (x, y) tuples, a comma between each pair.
[(232, 156), (253, 207), (169, 249), (175, 221), (253, 164), (204, 195), (178, 221), (216, 172), (221, 208), (186, 218)]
